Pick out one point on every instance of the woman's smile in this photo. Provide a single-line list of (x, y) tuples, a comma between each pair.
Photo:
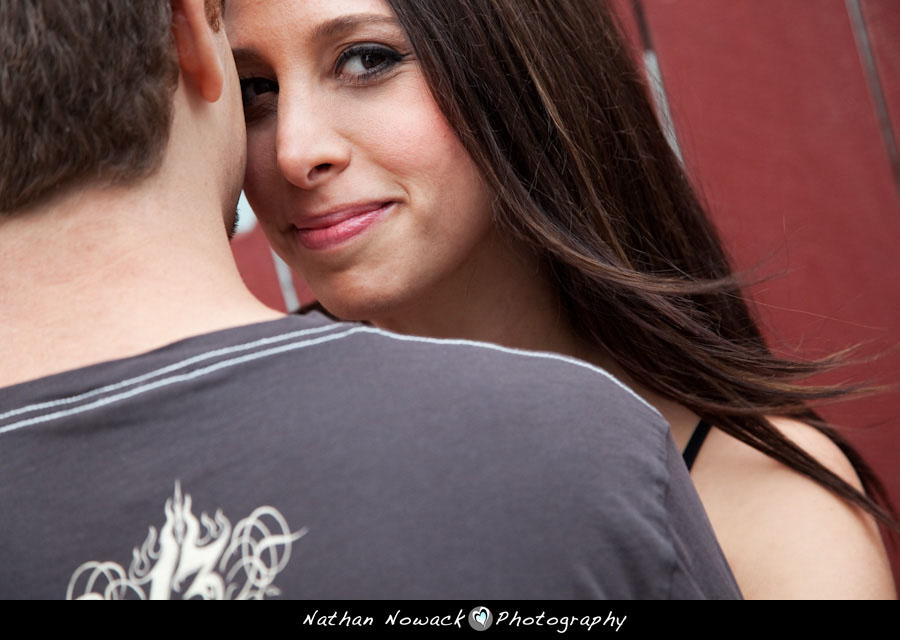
[(320, 231)]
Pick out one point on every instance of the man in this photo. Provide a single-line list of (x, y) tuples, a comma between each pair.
[(162, 434)]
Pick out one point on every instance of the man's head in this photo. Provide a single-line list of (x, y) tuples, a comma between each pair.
[(86, 93)]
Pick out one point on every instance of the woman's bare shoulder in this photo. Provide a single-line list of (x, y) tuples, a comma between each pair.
[(785, 535)]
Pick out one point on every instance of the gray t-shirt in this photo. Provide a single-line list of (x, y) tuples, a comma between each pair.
[(314, 459)]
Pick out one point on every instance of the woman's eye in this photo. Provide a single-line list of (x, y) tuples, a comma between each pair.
[(362, 64), (260, 98), (253, 88)]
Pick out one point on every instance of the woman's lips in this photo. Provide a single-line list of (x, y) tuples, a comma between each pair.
[(331, 229)]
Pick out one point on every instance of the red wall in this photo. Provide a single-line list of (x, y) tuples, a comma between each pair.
[(778, 120)]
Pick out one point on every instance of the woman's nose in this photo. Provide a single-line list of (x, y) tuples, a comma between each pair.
[(309, 148)]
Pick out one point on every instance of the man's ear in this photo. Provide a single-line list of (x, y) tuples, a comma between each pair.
[(197, 53)]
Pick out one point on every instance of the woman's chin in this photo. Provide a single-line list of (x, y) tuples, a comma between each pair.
[(358, 308)]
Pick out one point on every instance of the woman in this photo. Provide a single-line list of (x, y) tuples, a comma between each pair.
[(493, 170)]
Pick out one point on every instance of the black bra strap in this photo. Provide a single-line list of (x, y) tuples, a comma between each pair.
[(694, 444)]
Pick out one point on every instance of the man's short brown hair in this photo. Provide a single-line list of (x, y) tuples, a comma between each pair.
[(85, 92)]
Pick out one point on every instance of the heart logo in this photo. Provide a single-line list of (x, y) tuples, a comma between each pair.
[(480, 617)]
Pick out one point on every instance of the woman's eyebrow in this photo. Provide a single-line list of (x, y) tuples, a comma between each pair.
[(343, 24), (328, 29)]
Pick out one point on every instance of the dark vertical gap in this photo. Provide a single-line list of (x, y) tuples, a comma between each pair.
[(638, 7), (864, 46)]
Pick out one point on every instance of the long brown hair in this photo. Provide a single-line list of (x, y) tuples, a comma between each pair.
[(551, 107)]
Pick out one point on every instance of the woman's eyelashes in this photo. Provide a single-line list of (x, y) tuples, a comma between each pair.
[(365, 63)]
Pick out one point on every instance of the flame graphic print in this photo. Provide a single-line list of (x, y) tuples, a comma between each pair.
[(201, 558)]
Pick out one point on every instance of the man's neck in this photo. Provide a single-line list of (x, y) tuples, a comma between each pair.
[(111, 273)]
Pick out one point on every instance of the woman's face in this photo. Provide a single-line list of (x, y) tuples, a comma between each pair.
[(358, 180)]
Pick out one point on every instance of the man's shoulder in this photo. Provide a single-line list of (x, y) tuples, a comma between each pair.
[(482, 382), (494, 367), (456, 460), (302, 358)]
